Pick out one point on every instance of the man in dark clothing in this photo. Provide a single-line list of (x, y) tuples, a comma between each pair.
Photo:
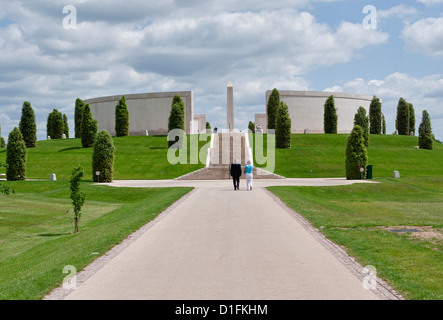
[(235, 174)]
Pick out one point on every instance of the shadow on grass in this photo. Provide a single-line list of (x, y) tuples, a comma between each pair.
[(69, 149), (158, 148), (50, 235)]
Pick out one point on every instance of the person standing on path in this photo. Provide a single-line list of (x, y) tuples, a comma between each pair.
[(248, 172), (235, 174)]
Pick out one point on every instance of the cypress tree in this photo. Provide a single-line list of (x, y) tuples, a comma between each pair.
[(2, 143), (65, 126), (16, 153), (251, 126), (330, 116), (103, 157), (402, 121), (55, 125), (89, 128), (362, 120), (121, 118), (27, 125), (384, 124), (375, 116), (176, 121), (283, 127), (272, 107), (425, 136), (356, 155), (411, 119), (78, 114)]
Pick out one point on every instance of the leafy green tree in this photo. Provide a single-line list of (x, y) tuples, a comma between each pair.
[(77, 196), (176, 121), (425, 136), (103, 157), (89, 128), (55, 126), (283, 127), (375, 116), (208, 126), (356, 155), (78, 114), (360, 119), (65, 126), (27, 125), (272, 107), (121, 118), (16, 154), (402, 121), (330, 116), (411, 119), (251, 126)]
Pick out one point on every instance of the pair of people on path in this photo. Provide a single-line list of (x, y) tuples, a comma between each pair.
[(236, 173)]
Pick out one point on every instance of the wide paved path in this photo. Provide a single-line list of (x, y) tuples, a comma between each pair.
[(224, 244)]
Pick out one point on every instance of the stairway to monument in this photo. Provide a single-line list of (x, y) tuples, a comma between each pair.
[(227, 147)]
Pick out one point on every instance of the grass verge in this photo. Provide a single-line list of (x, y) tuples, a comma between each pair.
[(36, 242), (359, 218)]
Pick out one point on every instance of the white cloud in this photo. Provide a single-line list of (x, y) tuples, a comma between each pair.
[(425, 36), (400, 11), (430, 2)]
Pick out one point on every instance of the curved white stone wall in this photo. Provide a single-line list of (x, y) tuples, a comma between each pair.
[(147, 111), (306, 109)]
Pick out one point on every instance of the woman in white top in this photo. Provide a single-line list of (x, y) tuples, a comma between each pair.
[(248, 174)]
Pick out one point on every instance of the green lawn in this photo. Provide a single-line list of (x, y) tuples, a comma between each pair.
[(323, 156), (136, 157), (36, 240), (353, 217)]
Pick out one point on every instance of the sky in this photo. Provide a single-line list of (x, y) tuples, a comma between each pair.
[(54, 51)]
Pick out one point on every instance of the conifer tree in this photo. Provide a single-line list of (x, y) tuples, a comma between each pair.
[(65, 126), (16, 154), (89, 128), (272, 107), (121, 118), (176, 121), (78, 114), (402, 121), (283, 127), (411, 119), (27, 125), (375, 116), (425, 137), (362, 120), (330, 116), (356, 155), (103, 157)]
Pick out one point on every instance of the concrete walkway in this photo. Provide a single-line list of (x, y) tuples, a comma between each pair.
[(223, 244)]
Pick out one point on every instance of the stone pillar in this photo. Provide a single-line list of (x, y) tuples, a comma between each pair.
[(230, 108)]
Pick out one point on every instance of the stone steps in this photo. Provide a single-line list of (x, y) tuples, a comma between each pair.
[(226, 148)]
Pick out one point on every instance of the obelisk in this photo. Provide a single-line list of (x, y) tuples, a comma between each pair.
[(230, 108)]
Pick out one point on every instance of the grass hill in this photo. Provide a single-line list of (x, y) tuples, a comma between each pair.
[(323, 155), (136, 157)]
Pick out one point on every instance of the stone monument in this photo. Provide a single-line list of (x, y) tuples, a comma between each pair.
[(230, 108)]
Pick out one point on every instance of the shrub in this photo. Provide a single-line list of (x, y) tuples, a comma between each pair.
[(356, 155), (78, 115), (411, 119), (283, 127), (16, 153), (2, 143), (176, 121), (360, 119), (89, 128), (55, 126), (272, 107), (27, 125), (402, 121), (121, 118), (208, 126), (65, 126), (425, 136), (375, 116), (103, 157), (330, 116)]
